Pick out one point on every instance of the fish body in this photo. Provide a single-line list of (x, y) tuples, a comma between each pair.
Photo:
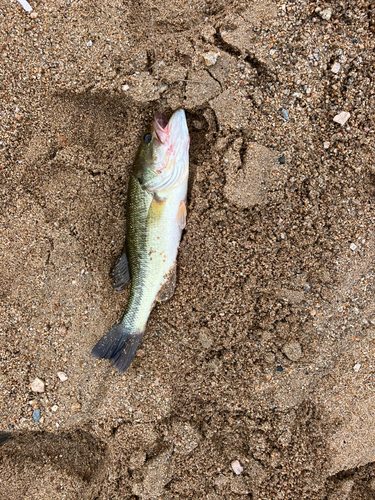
[(155, 218)]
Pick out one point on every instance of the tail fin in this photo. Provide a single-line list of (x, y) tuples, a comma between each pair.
[(119, 345)]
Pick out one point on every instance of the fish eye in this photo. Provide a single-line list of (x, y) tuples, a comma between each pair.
[(147, 138)]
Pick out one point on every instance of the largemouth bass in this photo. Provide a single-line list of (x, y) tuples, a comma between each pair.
[(155, 218)]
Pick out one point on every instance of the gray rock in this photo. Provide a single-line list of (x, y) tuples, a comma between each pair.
[(36, 416)]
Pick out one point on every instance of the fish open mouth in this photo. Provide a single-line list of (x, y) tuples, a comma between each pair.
[(161, 119), (173, 130), (160, 127)]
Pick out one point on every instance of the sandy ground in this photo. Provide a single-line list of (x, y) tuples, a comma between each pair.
[(265, 353)]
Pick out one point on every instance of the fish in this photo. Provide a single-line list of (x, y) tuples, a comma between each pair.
[(155, 218)]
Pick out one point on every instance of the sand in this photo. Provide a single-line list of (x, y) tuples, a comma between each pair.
[(256, 380)]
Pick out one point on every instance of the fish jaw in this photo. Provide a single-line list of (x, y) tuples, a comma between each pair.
[(171, 152)]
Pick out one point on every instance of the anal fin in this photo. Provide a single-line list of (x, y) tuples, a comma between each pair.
[(167, 289), (121, 273)]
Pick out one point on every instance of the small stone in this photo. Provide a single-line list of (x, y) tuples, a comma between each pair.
[(335, 67), (325, 14), (353, 246), (63, 331), (210, 57), (62, 376), (125, 87), (342, 117), (237, 467), (284, 112), (326, 144), (279, 368), (37, 385), (36, 416), (293, 351), (357, 367), (33, 15), (89, 43), (76, 407), (54, 408), (281, 160)]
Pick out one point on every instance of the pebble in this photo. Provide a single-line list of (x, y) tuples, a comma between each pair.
[(237, 467), (33, 15), (63, 331), (37, 385), (36, 416), (325, 14), (62, 376), (357, 367), (125, 87), (76, 407), (210, 57), (281, 160), (353, 246), (342, 117), (284, 112), (279, 368), (54, 408), (326, 144), (89, 43), (335, 67)]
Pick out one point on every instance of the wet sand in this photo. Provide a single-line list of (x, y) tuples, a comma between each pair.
[(264, 355)]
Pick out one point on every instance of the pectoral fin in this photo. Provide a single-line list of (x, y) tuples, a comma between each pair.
[(167, 289), (181, 215), (156, 209)]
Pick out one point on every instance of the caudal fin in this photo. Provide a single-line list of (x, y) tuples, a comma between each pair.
[(119, 345)]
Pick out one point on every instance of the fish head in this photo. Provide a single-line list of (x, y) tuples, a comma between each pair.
[(162, 160)]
